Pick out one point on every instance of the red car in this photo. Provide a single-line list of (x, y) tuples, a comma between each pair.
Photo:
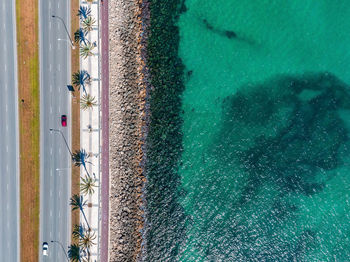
[(64, 120)]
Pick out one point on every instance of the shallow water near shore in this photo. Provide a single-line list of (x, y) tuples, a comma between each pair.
[(266, 123)]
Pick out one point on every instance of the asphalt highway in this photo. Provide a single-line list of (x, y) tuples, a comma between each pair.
[(55, 160), (9, 147)]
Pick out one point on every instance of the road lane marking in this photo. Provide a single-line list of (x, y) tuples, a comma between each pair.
[(50, 193), (50, 213)]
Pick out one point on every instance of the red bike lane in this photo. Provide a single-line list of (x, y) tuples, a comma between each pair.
[(104, 240)]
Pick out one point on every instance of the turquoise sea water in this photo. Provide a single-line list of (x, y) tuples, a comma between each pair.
[(264, 172)]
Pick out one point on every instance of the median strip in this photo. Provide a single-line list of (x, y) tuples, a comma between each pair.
[(29, 120)]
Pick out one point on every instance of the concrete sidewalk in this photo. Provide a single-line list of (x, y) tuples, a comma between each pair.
[(90, 129)]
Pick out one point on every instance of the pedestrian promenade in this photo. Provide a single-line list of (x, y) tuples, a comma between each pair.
[(90, 134)]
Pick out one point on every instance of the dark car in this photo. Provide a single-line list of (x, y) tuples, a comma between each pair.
[(64, 120)]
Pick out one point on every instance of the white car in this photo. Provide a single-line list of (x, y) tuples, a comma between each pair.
[(45, 249)]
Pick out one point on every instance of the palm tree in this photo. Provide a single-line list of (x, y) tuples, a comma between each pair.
[(79, 159), (87, 241), (87, 102), (78, 231), (87, 185), (88, 23), (84, 12), (77, 202), (86, 50), (74, 253), (80, 78), (80, 36)]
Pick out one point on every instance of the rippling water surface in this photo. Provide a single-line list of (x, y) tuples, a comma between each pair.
[(265, 164)]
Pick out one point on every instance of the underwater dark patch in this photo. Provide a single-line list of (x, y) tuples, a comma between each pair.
[(307, 135), (285, 135)]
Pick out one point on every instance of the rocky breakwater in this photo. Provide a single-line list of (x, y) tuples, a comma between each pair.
[(127, 120)]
